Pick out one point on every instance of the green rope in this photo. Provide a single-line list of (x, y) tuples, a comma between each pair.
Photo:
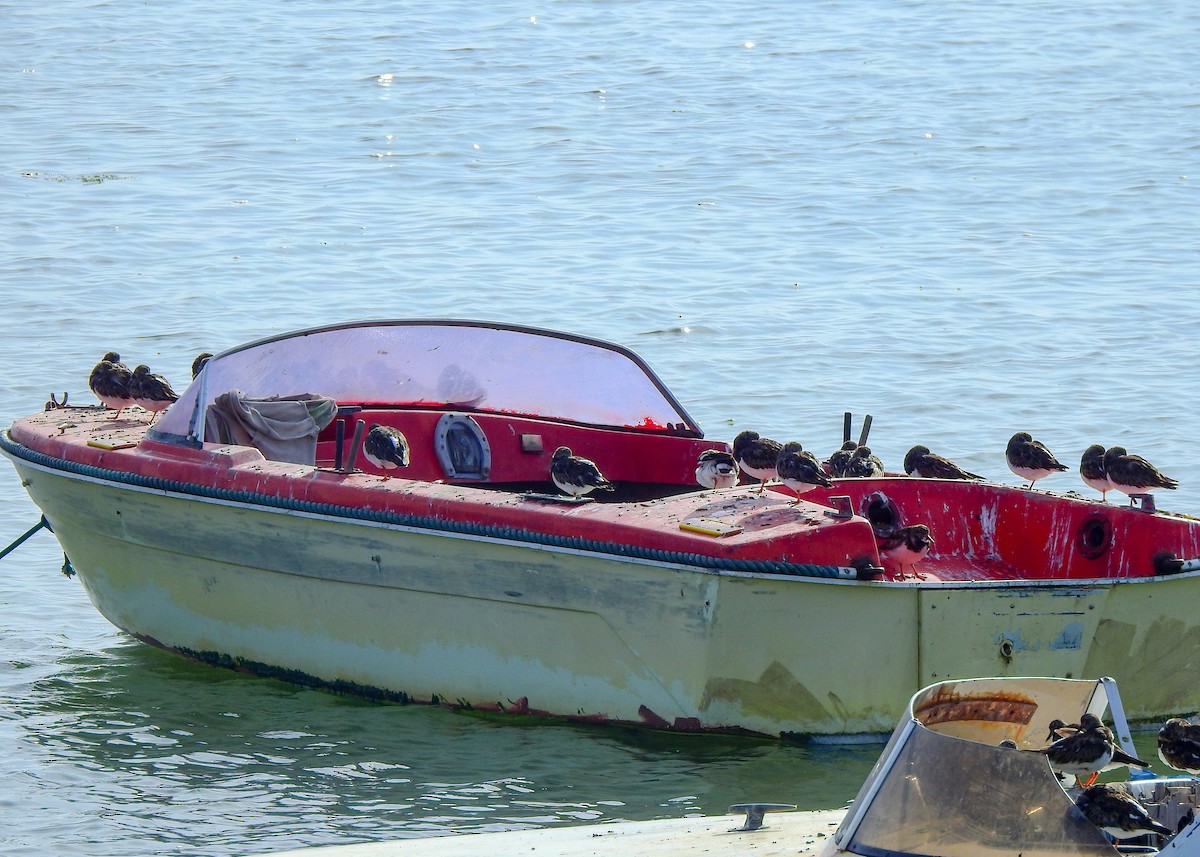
[(20, 540), (506, 533)]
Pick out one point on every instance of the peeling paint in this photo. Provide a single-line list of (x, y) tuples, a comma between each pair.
[(777, 693), (1071, 637)]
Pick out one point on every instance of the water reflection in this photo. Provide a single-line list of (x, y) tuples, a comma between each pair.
[(202, 755)]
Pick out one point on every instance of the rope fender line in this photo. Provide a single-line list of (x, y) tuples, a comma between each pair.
[(501, 532)]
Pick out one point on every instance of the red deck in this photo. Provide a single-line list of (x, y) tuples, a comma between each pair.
[(981, 531)]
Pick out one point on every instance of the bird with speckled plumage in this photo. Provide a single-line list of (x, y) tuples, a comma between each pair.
[(575, 475)]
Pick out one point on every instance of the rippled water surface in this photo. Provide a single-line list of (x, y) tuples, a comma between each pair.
[(964, 220)]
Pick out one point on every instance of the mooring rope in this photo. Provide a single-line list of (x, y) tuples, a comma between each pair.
[(21, 539)]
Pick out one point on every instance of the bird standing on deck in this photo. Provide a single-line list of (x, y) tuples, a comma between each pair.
[(800, 470), (1179, 745), (150, 391), (109, 382), (576, 476), (864, 464), (1117, 812), (1088, 751), (1132, 474), (906, 546), (921, 462), (716, 468), (1030, 459), (1091, 470), (757, 456), (386, 448)]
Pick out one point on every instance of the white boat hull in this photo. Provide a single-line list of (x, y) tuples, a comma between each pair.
[(496, 625)]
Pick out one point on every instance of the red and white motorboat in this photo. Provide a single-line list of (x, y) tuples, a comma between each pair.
[(246, 529)]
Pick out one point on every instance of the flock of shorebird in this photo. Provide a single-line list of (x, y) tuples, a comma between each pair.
[(116, 386), (1081, 751), (766, 459)]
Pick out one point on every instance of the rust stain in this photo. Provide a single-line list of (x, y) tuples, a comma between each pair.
[(948, 707)]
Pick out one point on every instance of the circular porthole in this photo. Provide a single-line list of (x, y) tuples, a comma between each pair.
[(1094, 536)]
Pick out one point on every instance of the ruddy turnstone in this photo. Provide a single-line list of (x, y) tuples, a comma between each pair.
[(386, 448), (864, 464), (839, 462), (921, 462), (199, 362), (716, 469), (757, 456), (800, 470), (1132, 474), (109, 382), (1029, 458), (1117, 812), (1091, 470), (906, 546), (1088, 751), (150, 391), (1179, 745), (1058, 729), (576, 476)]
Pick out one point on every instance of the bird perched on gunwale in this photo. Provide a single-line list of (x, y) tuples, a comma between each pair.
[(576, 476), (150, 391), (716, 468), (109, 382), (1030, 459), (839, 462), (919, 461), (1088, 751), (386, 448), (800, 470), (1179, 745), (756, 456), (198, 363), (906, 546), (864, 464), (1091, 470), (1132, 474), (1117, 812)]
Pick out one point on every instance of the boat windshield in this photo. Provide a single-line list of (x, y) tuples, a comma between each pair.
[(946, 787), (439, 364)]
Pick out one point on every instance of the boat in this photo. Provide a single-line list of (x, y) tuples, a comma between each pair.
[(244, 527), (962, 775)]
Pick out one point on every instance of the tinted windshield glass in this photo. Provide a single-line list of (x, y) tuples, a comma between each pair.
[(463, 365)]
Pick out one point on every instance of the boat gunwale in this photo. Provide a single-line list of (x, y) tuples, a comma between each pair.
[(408, 522), (498, 534)]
